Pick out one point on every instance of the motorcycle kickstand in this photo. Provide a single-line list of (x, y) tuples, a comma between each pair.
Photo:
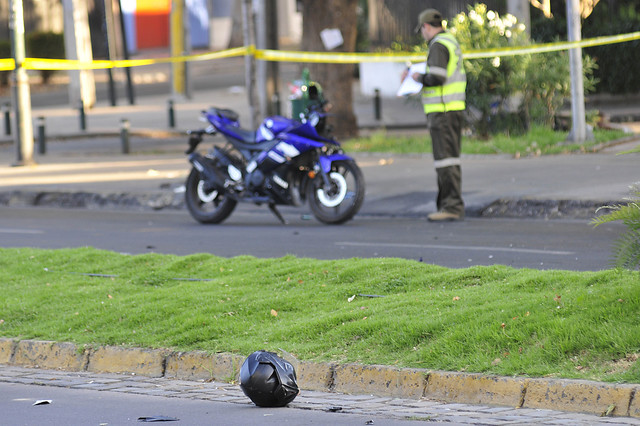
[(277, 214)]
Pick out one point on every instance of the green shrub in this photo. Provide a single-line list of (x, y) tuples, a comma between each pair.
[(490, 81), (627, 249), (5, 52), (48, 45), (510, 91)]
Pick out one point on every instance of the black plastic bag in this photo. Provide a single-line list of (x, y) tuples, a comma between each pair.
[(268, 380)]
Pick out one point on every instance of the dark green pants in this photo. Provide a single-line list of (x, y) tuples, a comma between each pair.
[(445, 129)]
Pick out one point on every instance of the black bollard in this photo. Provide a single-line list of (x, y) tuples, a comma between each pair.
[(6, 108), (376, 105), (83, 117), (124, 135), (42, 148), (172, 116)]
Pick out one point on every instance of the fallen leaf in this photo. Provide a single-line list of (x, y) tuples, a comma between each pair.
[(503, 325), (496, 361), (274, 313), (456, 298), (109, 296), (557, 298), (351, 298)]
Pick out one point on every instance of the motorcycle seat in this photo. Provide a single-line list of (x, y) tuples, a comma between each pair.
[(226, 113)]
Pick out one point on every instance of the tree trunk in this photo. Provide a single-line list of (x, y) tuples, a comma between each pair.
[(336, 79)]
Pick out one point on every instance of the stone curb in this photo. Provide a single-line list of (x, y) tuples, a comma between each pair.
[(453, 387)]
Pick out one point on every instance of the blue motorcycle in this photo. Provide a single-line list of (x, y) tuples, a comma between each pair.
[(283, 162)]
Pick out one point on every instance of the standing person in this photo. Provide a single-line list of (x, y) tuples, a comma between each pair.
[(443, 97)]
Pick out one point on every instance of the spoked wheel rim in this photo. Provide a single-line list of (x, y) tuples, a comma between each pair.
[(203, 195), (342, 199), (336, 193)]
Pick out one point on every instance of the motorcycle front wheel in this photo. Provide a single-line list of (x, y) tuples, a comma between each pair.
[(343, 197), (206, 205)]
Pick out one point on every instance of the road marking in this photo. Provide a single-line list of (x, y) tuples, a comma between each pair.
[(445, 247), (20, 231)]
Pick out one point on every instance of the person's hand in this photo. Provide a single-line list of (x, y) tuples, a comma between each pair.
[(416, 76), (404, 74)]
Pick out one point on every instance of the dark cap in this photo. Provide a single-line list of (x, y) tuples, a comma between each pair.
[(429, 16)]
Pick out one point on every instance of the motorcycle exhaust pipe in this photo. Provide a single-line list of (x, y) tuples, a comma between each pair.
[(233, 172), (212, 175)]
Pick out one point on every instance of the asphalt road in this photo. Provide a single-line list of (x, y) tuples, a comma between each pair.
[(92, 407), (539, 244)]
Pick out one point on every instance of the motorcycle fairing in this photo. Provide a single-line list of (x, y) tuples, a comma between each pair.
[(327, 160)]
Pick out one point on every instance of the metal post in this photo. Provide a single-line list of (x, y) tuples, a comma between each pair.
[(579, 126), (124, 135), (83, 116), (172, 116), (42, 148), (377, 105), (249, 60), (21, 90), (125, 51), (6, 109), (110, 45)]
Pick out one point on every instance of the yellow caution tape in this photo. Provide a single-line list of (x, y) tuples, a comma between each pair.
[(550, 47), (68, 64), (313, 57), (7, 64)]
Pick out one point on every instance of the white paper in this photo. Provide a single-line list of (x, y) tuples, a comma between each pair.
[(331, 38), (409, 86)]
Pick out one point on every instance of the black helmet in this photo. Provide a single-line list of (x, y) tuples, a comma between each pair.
[(268, 380)]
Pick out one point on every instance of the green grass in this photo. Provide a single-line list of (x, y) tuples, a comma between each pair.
[(493, 319), (538, 141)]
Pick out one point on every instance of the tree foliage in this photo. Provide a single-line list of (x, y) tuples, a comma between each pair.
[(507, 92)]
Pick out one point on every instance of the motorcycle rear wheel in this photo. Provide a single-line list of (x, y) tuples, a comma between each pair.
[(206, 205), (340, 202)]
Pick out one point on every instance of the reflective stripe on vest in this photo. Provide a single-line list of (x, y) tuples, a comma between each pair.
[(451, 95)]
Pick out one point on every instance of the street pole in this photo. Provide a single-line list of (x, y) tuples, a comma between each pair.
[(249, 60), (267, 71), (125, 54), (579, 125), (77, 40), (111, 48), (21, 92), (180, 46)]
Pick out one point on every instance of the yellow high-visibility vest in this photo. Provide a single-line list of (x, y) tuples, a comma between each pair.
[(451, 95)]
